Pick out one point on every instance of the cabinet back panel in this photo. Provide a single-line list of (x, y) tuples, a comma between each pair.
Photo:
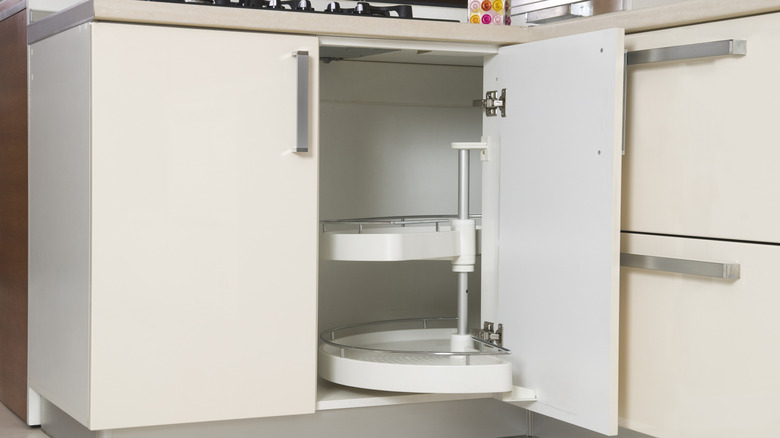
[(385, 137)]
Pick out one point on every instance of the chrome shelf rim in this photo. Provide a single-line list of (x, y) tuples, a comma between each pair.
[(329, 337)]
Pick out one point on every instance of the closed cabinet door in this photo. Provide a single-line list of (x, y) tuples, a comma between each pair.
[(204, 225), (699, 354), (175, 219), (701, 144)]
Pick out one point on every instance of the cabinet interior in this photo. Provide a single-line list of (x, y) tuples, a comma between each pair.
[(384, 131), (386, 124)]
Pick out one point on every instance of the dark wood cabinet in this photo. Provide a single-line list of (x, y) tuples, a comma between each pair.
[(13, 206)]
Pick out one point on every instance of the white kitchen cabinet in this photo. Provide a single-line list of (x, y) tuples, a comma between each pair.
[(172, 221), (172, 228), (698, 354), (701, 144), (698, 186)]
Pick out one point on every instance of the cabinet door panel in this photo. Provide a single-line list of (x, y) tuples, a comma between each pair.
[(694, 348), (559, 221), (701, 148), (204, 227)]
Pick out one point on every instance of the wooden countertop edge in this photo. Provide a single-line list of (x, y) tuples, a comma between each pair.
[(11, 7), (639, 20), (302, 23)]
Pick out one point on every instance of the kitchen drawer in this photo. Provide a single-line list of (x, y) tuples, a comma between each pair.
[(701, 146), (699, 356)]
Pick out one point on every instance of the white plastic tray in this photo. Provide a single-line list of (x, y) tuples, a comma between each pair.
[(391, 239), (411, 360)]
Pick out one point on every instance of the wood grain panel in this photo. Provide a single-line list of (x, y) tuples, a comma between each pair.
[(13, 213)]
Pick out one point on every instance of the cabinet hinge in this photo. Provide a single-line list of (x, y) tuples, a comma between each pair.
[(492, 103), (489, 333)]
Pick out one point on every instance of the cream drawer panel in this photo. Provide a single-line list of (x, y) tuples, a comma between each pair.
[(702, 144), (699, 357)]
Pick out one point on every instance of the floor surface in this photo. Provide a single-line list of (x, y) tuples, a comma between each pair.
[(12, 426)]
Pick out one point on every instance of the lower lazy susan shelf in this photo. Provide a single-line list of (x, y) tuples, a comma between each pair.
[(411, 356)]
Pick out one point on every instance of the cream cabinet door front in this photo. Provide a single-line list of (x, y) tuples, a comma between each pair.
[(197, 297), (701, 140), (699, 356), (204, 227), (551, 238)]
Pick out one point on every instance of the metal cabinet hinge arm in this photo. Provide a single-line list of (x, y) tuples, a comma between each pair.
[(492, 103), (490, 333)]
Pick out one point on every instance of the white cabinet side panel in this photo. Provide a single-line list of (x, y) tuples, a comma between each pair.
[(204, 227), (559, 223), (58, 291)]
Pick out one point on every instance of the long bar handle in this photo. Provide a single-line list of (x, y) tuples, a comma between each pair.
[(536, 5), (728, 271), (688, 51), (302, 117)]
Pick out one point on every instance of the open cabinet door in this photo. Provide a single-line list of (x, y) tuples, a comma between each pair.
[(551, 263)]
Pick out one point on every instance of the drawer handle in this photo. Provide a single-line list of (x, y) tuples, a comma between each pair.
[(688, 51), (302, 116), (681, 266)]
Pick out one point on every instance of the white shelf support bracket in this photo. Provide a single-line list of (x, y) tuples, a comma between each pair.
[(517, 395), (482, 146)]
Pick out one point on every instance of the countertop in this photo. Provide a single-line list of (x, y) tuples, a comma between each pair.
[(138, 11), (11, 7)]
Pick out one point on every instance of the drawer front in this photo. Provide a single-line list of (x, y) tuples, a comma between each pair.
[(699, 356), (701, 142)]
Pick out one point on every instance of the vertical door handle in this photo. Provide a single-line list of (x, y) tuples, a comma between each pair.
[(302, 116)]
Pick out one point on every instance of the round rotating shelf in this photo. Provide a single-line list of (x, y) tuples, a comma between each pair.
[(411, 356), (391, 239)]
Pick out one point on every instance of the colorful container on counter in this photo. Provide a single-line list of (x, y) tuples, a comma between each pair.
[(489, 12)]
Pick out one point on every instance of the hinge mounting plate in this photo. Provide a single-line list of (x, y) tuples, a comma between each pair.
[(490, 334), (493, 103)]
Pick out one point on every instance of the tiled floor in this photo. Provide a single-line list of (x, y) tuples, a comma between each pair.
[(13, 427)]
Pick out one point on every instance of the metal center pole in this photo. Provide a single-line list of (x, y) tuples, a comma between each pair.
[(463, 214)]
